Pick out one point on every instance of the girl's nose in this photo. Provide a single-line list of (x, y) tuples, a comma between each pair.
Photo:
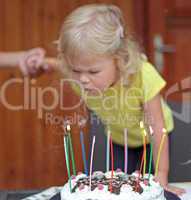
[(84, 79)]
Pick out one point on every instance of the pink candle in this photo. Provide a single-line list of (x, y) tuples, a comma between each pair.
[(125, 151), (112, 164), (91, 160)]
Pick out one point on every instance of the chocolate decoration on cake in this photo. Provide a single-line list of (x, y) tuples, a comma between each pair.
[(114, 184)]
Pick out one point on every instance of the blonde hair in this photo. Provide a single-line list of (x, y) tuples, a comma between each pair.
[(100, 29)]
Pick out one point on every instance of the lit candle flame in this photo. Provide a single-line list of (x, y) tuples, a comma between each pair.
[(145, 133), (68, 127), (164, 130), (141, 124), (151, 130)]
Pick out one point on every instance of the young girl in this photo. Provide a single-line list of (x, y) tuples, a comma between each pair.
[(117, 82)]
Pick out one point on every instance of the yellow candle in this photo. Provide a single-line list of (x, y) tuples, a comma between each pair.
[(159, 152), (144, 134)]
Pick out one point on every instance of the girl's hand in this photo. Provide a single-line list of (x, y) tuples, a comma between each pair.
[(32, 62), (176, 190), (162, 179)]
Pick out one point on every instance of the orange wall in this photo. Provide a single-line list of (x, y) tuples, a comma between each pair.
[(31, 151)]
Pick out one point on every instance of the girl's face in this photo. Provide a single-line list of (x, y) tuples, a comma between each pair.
[(95, 73)]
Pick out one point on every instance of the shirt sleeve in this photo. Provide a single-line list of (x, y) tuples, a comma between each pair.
[(152, 82)]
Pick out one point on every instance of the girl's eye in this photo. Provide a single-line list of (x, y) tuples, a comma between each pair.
[(94, 72), (75, 71)]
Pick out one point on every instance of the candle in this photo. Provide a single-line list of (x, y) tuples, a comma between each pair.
[(91, 161), (67, 161), (83, 151), (142, 160), (159, 152), (112, 158), (108, 150), (125, 151), (68, 129), (145, 152), (144, 134), (112, 164), (151, 150)]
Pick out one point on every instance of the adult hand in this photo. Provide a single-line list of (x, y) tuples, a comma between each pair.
[(32, 62)]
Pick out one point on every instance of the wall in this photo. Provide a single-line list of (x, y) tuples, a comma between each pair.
[(31, 149)]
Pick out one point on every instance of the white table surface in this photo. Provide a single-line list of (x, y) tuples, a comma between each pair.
[(187, 187), (47, 194)]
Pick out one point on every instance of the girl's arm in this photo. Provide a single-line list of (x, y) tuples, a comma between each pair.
[(153, 111)]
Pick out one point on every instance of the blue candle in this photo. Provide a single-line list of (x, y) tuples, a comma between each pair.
[(108, 150), (83, 151)]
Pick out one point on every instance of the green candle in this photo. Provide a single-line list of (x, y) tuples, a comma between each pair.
[(67, 161), (71, 149), (151, 150), (151, 158)]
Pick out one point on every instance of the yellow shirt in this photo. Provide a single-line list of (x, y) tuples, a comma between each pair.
[(121, 107)]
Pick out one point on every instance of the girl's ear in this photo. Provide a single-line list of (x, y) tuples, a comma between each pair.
[(118, 63), (118, 68)]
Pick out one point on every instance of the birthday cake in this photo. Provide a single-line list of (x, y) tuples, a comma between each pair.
[(112, 186)]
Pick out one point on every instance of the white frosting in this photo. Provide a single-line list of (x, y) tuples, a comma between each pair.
[(150, 192)]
